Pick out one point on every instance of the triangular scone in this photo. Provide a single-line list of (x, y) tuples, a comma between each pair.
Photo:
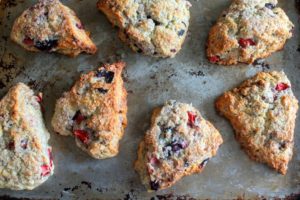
[(247, 31), (51, 26), (263, 111), (153, 27), (179, 142), (25, 156), (94, 111)]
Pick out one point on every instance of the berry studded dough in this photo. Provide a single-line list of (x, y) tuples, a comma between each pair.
[(179, 142), (262, 111), (153, 27), (247, 31), (94, 111), (50, 26), (25, 156)]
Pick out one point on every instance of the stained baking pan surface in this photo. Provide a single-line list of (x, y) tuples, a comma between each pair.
[(150, 82)]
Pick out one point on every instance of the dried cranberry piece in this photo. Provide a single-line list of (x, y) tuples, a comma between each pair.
[(244, 43), (204, 162), (28, 41), (108, 75), (46, 170), (102, 90), (173, 50), (11, 145), (282, 86), (154, 160), (270, 6), (154, 185), (78, 117), (214, 59), (39, 98), (192, 118), (46, 45), (82, 135)]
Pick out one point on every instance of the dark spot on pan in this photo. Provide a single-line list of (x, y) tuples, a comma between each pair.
[(88, 184), (297, 5)]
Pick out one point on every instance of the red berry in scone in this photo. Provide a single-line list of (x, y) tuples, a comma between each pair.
[(50, 26), (179, 143)]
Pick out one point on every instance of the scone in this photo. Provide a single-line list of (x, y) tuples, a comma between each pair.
[(50, 26), (25, 156), (262, 112), (153, 27), (179, 142), (94, 111), (247, 31)]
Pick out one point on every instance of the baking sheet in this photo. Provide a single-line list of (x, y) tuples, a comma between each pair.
[(150, 82)]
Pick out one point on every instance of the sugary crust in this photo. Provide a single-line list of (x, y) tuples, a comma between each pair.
[(25, 156), (51, 26), (247, 31), (262, 112), (176, 145), (96, 105), (156, 27)]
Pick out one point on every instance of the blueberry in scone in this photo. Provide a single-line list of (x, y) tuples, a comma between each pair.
[(50, 26), (25, 156), (94, 111), (262, 111), (153, 27), (247, 31), (179, 142)]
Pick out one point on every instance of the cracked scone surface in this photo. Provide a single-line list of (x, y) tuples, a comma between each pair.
[(247, 31), (153, 27), (50, 26), (262, 111), (179, 142), (94, 111), (25, 155)]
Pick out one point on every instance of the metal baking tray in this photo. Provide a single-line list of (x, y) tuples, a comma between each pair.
[(150, 82)]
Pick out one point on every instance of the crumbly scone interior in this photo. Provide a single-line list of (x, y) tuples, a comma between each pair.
[(263, 111), (179, 142), (26, 159), (154, 27), (248, 30), (94, 111)]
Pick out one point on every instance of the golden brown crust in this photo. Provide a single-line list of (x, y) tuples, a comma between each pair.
[(51, 26), (247, 31), (179, 143), (263, 111), (96, 106)]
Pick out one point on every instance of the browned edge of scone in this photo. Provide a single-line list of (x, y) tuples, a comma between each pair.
[(229, 103)]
